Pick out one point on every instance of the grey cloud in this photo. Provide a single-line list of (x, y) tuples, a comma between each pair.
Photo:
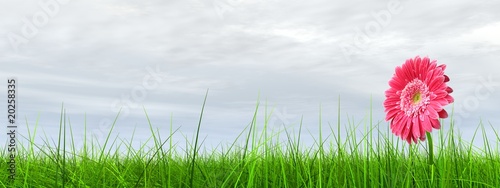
[(286, 50)]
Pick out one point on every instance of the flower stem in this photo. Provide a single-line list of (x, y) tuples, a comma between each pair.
[(431, 148)]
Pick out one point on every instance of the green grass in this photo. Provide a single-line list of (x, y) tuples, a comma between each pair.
[(258, 158)]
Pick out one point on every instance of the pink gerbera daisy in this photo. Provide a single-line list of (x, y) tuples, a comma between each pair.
[(416, 97)]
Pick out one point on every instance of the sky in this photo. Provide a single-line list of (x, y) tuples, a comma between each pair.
[(298, 59)]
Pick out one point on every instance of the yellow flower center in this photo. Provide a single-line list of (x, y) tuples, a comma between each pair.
[(417, 97), (414, 98)]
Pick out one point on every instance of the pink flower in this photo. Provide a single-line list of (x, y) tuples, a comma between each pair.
[(416, 97)]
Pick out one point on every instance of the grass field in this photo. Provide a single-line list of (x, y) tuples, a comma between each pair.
[(260, 159)]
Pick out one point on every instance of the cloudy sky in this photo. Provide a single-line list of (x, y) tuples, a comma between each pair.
[(295, 56)]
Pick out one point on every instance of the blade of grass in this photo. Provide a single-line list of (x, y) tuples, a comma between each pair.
[(191, 180)]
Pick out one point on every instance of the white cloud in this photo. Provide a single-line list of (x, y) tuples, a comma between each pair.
[(287, 50), (488, 34)]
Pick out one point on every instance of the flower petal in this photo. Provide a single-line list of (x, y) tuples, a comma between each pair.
[(443, 114), (449, 90)]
